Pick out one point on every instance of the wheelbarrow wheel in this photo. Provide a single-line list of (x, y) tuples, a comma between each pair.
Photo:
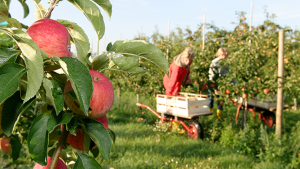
[(197, 130), (269, 118)]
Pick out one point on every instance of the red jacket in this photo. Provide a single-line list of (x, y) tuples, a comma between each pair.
[(172, 83)]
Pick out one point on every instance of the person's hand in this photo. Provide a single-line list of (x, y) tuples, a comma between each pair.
[(217, 92)]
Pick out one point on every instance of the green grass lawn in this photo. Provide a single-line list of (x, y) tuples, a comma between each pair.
[(139, 146), (141, 143)]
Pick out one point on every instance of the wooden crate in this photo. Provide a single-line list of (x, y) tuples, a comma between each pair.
[(185, 105), (266, 104)]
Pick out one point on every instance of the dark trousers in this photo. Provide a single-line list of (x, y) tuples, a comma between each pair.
[(211, 100)]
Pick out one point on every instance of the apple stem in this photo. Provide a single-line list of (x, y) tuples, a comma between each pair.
[(52, 6), (60, 145)]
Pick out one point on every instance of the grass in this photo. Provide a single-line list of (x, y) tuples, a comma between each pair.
[(138, 145), (141, 144)]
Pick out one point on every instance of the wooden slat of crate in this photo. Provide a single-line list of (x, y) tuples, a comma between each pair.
[(193, 111), (182, 106), (265, 105), (186, 103), (257, 103)]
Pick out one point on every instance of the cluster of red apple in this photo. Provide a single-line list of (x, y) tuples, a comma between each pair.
[(54, 39)]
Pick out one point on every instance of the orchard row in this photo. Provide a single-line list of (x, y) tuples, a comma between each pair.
[(253, 58)]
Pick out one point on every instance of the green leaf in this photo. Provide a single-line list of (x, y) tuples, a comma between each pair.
[(40, 11), (80, 79), (128, 63), (141, 49), (38, 139), (33, 60), (100, 136), (12, 109), (71, 126), (86, 162), (15, 146), (6, 41), (115, 45), (37, 1), (109, 46), (112, 135), (10, 74), (3, 12), (93, 14), (8, 55), (95, 152), (55, 94), (14, 23), (57, 120), (79, 38), (60, 79), (100, 62), (25, 8), (106, 6)]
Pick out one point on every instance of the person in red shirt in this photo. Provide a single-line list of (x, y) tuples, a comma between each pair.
[(179, 71)]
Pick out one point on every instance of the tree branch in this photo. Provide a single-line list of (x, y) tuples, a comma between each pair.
[(52, 6), (60, 145)]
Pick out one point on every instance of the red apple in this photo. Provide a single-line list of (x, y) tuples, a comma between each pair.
[(221, 103), (51, 36), (5, 145), (82, 141), (266, 91), (103, 120), (212, 85), (102, 98), (245, 95), (227, 91), (60, 164)]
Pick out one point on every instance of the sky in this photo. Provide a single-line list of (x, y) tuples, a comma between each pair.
[(130, 17)]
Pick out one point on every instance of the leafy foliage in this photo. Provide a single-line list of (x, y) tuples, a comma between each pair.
[(31, 94)]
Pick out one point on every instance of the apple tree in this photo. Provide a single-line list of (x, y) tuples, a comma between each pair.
[(33, 81)]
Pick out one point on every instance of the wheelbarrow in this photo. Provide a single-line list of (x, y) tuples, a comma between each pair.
[(255, 105), (185, 107)]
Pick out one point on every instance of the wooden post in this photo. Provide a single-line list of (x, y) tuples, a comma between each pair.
[(250, 28), (280, 84), (245, 115), (168, 40), (141, 34), (203, 31), (295, 98)]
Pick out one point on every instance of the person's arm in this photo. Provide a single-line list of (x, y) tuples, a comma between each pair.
[(211, 72)]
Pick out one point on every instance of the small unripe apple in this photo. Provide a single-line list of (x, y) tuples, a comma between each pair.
[(102, 98), (51, 36), (5, 145), (60, 164)]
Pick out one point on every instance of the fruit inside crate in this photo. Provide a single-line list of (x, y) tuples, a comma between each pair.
[(186, 104)]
